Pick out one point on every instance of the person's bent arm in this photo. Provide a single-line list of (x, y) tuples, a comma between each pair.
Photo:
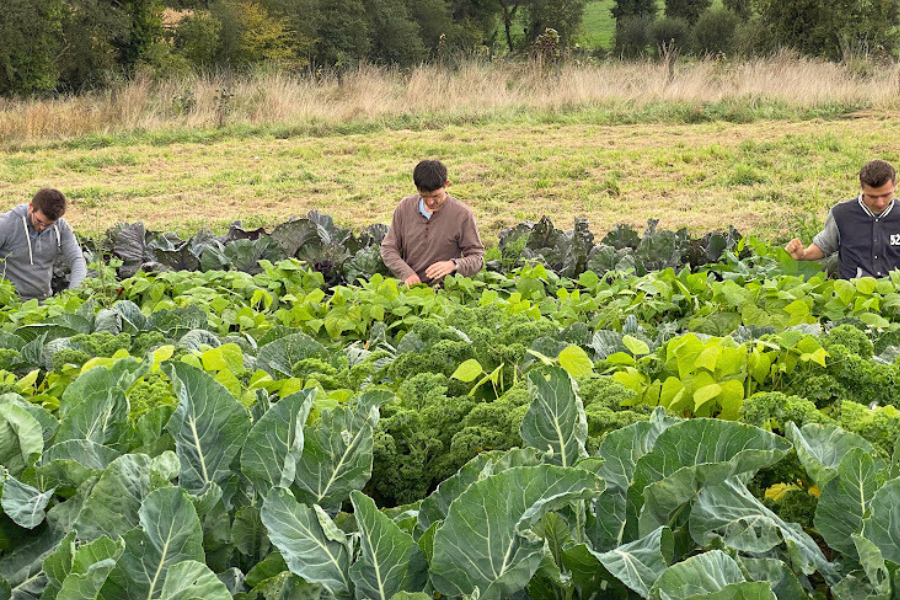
[(390, 254), (472, 249), (798, 252), (73, 255)]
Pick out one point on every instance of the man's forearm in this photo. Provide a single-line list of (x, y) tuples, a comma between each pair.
[(469, 265), (394, 262), (812, 252)]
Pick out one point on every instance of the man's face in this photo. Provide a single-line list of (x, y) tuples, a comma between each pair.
[(878, 198), (39, 220), (434, 200)]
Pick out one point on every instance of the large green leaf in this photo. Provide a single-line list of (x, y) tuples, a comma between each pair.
[(640, 563), (22, 565), (822, 447), (781, 578), (702, 574), (555, 421), (845, 500), (390, 562), (435, 507), (882, 526), (755, 590), (21, 439), (24, 504), (484, 544), (102, 419), (337, 453), (170, 533), (75, 461), (621, 450), (49, 423), (82, 576), (190, 580), (313, 547), (99, 383), (728, 511), (112, 509), (209, 427), (692, 454), (270, 454), (279, 356)]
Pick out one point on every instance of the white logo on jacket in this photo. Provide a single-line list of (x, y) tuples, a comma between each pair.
[(895, 239)]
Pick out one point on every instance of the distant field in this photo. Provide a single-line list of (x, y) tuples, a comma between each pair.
[(599, 27), (767, 177)]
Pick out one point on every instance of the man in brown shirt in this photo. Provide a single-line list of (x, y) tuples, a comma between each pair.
[(432, 233)]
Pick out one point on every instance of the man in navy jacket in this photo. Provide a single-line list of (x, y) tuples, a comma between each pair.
[(864, 231)]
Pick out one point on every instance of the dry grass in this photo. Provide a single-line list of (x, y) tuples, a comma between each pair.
[(476, 90)]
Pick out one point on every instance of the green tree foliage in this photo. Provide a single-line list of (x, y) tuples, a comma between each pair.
[(93, 32), (665, 30), (343, 32), (396, 37), (832, 29), (689, 10), (434, 20), (741, 8), (302, 17), (565, 16), (249, 33), (30, 35), (632, 8), (197, 38), (633, 36), (145, 29), (714, 32)]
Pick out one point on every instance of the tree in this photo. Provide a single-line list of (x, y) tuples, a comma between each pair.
[(144, 29), (434, 20), (633, 18), (197, 38), (831, 29), (396, 38), (93, 33), (302, 18), (565, 16), (343, 32), (30, 37), (689, 10), (249, 34), (714, 31), (741, 8), (633, 8)]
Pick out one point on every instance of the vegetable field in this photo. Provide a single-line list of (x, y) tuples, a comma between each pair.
[(268, 415)]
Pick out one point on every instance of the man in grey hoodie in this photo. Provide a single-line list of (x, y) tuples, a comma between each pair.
[(31, 237)]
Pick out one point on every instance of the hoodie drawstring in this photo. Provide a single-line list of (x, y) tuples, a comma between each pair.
[(28, 239)]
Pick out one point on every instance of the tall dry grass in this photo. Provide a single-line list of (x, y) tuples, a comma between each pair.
[(473, 90)]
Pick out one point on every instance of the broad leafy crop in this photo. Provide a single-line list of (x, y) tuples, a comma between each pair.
[(713, 432)]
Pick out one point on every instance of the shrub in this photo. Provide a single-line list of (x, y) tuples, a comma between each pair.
[(714, 32), (633, 36), (689, 10), (665, 30), (197, 38)]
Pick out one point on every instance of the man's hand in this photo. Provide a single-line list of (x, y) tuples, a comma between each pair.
[(440, 269), (796, 250), (412, 280)]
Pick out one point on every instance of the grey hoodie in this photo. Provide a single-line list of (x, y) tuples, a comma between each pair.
[(29, 255)]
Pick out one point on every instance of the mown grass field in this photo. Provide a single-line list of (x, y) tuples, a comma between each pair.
[(767, 177)]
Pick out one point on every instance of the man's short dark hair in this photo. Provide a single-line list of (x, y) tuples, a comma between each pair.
[(877, 173), (430, 175), (50, 202)]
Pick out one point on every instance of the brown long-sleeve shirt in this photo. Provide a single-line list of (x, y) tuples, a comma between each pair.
[(414, 242)]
